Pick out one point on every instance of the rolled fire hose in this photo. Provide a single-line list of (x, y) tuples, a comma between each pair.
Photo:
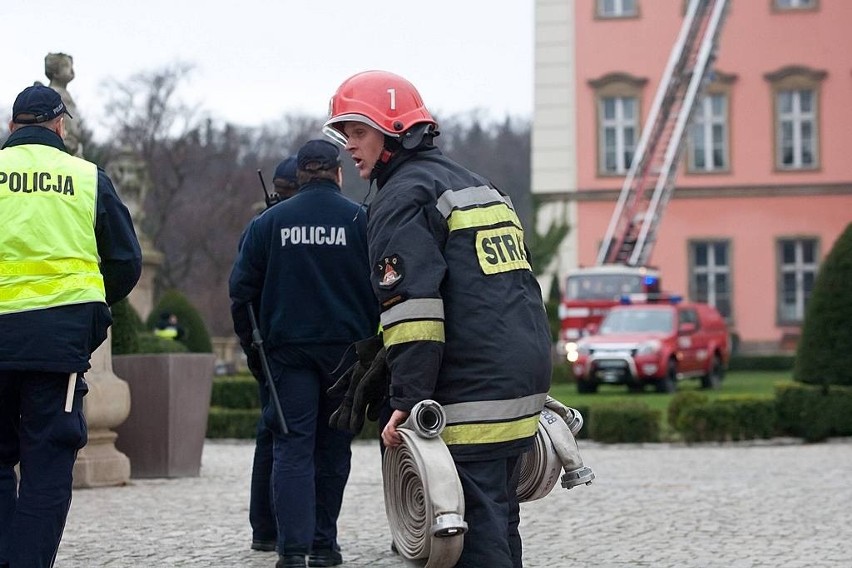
[(554, 450), (423, 495)]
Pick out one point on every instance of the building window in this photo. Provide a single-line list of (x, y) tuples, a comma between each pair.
[(795, 4), (797, 270), (710, 275), (796, 123), (619, 133), (617, 8), (796, 107), (708, 136), (618, 107)]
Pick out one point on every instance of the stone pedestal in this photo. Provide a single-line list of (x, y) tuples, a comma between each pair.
[(106, 406), (142, 296)]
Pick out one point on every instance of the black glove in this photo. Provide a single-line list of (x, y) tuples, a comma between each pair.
[(371, 392), (367, 351), (254, 364)]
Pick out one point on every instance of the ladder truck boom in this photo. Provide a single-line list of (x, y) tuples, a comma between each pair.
[(649, 183)]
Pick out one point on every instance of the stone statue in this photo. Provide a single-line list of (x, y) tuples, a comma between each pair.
[(127, 172), (59, 68)]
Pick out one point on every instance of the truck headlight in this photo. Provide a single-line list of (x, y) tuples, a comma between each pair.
[(571, 353), (648, 347)]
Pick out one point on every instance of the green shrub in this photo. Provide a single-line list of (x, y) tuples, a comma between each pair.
[(814, 412), (824, 354), (196, 339), (147, 342), (232, 422), (586, 411), (680, 402), (126, 326), (562, 373), (240, 391), (728, 419), (761, 363), (553, 320), (628, 422), (235, 409)]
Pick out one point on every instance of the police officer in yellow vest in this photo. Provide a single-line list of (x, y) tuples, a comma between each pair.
[(67, 251)]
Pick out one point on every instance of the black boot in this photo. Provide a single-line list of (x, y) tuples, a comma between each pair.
[(291, 561), (321, 557), (263, 545)]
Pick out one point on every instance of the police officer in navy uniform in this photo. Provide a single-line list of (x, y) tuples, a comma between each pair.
[(462, 314), (261, 506), (284, 179), (303, 265), (68, 250)]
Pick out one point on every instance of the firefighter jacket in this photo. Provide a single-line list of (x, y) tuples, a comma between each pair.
[(67, 249), (303, 265), (462, 313)]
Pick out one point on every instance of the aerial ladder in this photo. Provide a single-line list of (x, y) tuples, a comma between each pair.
[(650, 180)]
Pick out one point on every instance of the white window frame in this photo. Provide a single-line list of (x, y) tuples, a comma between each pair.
[(711, 270), (799, 268), (619, 124), (797, 119), (617, 8), (703, 121), (795, 4)]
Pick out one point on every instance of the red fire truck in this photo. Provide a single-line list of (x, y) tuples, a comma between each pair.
[(622, 263), (591, 292)]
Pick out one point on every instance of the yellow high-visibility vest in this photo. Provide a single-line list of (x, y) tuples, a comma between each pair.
[(48, 251), (166, 332)]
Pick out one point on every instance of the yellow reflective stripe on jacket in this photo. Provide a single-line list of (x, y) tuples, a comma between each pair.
[(47, 267), (489, 433), (482, 217), (50, 289), (414, 331)]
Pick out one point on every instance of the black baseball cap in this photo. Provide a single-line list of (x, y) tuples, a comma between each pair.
[(42, 103), (286, 170), (318, 155)]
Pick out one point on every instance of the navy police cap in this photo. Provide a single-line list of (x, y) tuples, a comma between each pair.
[(38, 104), (318, 155), (286, 170)]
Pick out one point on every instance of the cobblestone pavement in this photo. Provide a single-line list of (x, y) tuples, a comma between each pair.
[(774, 504)]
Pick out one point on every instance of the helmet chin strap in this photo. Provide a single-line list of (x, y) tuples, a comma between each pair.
[(417, 137), (390, 148)]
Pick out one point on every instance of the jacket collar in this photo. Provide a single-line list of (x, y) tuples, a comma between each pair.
[(399, 158), (35, 135)]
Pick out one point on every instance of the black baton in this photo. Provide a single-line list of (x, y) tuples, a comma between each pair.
[(257, 343)]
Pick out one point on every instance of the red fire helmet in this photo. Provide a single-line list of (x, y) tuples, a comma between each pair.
[(380, 99)]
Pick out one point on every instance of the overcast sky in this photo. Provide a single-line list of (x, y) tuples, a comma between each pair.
[(256, 60)]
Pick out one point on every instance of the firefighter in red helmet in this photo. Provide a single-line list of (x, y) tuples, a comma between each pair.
[(462, 314)]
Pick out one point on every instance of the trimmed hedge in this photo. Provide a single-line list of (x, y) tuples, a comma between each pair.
[(728, 419), (761, 363), (126, 326), (628, 422), (814, 412), (238, 391), (232, 422), (235, 409), (682, 401), (562, 373), (825, 348), (147, 342)]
